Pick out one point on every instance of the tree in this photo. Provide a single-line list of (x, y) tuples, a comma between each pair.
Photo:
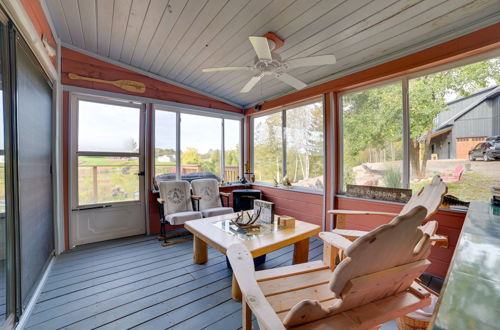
[(268, 150), (372, 120), (191, 156), (428, 97), (304, 143)]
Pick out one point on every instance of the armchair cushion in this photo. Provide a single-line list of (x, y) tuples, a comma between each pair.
[(208, 190), (181, 217), (216, 211), (176, 196)]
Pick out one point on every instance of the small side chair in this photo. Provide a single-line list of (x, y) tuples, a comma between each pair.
[(206, 191), (176, 207)]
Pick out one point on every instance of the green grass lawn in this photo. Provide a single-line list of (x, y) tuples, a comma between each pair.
[(472, 186)]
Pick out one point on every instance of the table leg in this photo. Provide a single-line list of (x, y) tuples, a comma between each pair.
[(235, 290), (200, 255), (301, 251)]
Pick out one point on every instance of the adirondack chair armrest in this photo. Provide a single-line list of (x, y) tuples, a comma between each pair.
[(196, 198), (243, 269), (350, 212), (225, 194), (335, 240), (160, 200)]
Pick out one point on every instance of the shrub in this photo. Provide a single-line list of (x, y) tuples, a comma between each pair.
[(392, 177)]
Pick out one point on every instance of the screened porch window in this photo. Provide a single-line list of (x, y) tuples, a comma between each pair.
[(288, 145), (191, 146), (452, 129)]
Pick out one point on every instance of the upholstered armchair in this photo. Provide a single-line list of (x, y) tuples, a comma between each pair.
[(176, 207), (210, 199)]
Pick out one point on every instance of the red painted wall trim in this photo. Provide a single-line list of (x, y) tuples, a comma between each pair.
[(35, 12), (75, 62)]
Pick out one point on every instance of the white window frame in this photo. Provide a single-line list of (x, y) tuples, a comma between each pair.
[(178, 110), (283, 111), (75, 153)]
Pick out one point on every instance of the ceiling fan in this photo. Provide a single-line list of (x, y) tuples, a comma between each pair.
[(268, 63)]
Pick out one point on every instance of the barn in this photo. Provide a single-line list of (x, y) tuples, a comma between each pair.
[(467, 122)]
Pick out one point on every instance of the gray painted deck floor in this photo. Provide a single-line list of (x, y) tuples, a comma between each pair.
[(137, 283)]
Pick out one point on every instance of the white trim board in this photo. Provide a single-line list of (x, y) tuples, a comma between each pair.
[(147, 74)]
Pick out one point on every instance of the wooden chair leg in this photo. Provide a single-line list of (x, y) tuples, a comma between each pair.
[(246, 316), (235, 290)]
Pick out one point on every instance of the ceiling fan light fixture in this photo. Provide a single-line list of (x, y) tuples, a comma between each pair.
[(269, 63)]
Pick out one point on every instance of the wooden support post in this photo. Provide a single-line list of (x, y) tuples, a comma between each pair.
[(340, 221), (329, 255), (301, 251), (246, 315), (200, 255), (235, 290)]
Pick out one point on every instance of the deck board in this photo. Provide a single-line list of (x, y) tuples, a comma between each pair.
[(136, 283)]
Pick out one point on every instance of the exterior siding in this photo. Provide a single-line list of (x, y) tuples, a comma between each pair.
[(457, 106), (495, 106), (481, 121), (477, 122)]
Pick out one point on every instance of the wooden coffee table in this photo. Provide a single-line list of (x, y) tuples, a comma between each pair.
[(215, 232)]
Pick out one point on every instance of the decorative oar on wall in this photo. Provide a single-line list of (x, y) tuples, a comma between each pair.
[(128, 85)]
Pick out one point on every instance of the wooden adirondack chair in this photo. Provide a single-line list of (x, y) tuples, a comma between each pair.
[(373, 285), (430, 197)]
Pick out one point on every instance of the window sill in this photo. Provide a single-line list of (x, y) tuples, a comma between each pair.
[(293, 188), (235, 185), (396, 203)]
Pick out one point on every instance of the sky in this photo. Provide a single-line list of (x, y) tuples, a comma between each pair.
[(105, 127), (200, 132)]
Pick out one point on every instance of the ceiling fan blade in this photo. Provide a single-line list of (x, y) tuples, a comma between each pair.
[(311, 61), (251, 83), (261, 47), (228, 68), (290, 80)]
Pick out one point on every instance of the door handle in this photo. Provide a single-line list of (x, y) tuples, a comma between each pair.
[(141, 173)]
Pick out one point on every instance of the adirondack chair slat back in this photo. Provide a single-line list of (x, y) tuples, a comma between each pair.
[(379, 264), (394, 244), (430, 196)]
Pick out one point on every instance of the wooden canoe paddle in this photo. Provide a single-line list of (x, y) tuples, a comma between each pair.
[(128, 85)]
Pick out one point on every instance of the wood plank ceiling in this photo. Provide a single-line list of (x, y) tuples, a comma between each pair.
[(176, 38)]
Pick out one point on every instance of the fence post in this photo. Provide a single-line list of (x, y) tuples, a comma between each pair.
[(94, 184)]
